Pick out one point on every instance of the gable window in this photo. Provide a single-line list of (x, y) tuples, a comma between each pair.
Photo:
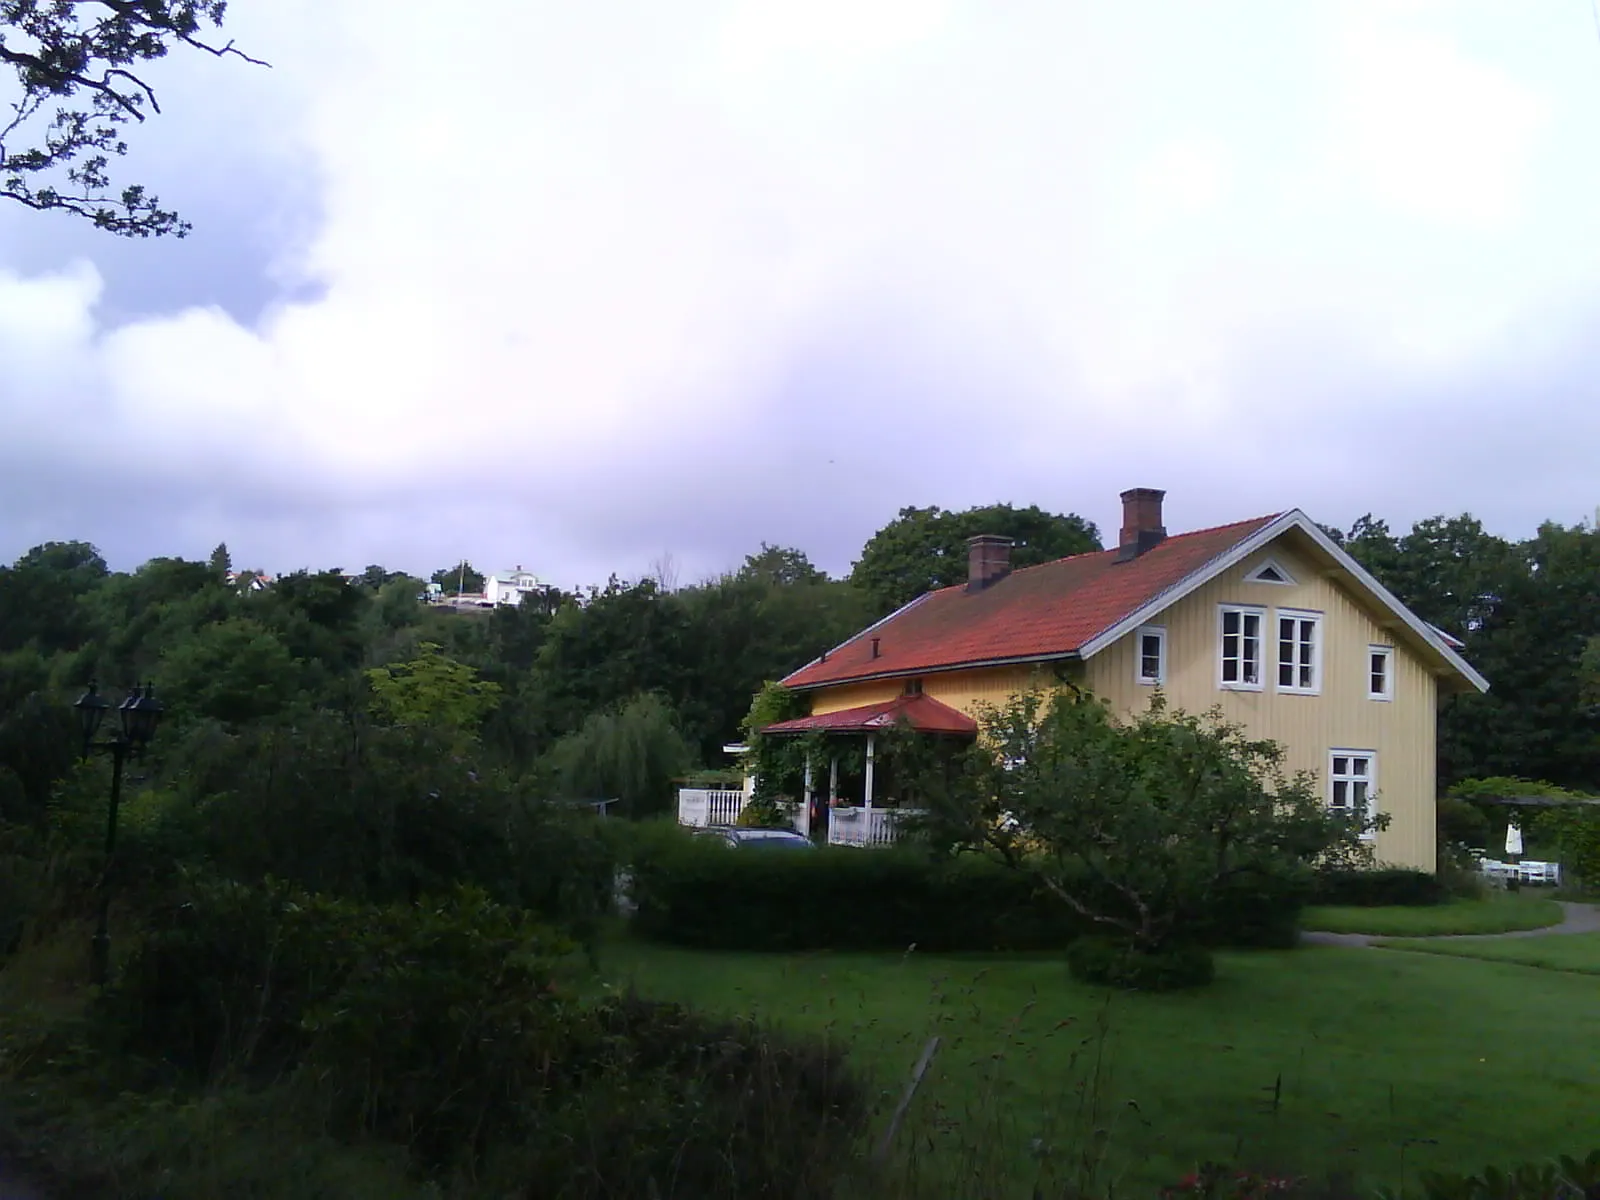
[(913, 687), (1270, 571), (1240, 649), (1299, 652), (1353, 783), (1380, 672), (1152, 652)]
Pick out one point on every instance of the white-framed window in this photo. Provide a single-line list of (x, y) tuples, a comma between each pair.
[(1380, 672), (1299, 651), (1150, 647), (1240, 649), (1353, 783), (1270, 570)]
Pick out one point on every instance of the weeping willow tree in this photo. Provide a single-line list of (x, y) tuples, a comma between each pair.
[(631, 753)]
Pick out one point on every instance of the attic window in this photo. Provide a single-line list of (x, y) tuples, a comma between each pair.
[(1270, 571), (913, 687)]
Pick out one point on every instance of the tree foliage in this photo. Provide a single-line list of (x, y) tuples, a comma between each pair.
[(463, 579), (1140, 827), (433, 692), (632, 753), (926, 548), (79, 68)]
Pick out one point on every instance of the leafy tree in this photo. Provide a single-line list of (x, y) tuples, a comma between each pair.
[(926, 548), (1140, 828), (433, 692), (77, 66), (318, 616), (632, 753), (43, 596), (234, 671), (781, 566), (461, 578)]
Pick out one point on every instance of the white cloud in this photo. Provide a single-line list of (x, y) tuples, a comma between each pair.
[(595, 288), (1430, 130)]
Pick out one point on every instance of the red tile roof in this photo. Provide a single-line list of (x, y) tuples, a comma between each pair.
[(924, 713), (1033, 613)]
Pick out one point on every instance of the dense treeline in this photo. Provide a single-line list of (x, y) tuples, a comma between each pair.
[(670, 672), (1529, 613)]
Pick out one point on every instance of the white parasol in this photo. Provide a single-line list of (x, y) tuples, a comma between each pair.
[(1513, 838)]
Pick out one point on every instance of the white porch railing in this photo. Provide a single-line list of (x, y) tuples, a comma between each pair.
[(866, 826), (701, 807)]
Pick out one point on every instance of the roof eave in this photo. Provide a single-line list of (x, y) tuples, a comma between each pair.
[(823, 657), (1294, 519), (976, 664)]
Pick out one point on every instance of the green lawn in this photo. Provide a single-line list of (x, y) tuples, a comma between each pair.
[(1569, 952), (1316, 1059), (1502, 912)]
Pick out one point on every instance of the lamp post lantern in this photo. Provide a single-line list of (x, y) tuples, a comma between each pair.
[(138, 715)]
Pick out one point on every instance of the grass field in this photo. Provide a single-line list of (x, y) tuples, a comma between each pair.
[(1578, 952), (1501, 913), (1315, 1060)]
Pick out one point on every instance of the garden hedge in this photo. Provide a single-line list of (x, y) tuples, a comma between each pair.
[(710, 896), (1377, 889)]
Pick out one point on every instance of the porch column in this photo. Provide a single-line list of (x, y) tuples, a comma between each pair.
[(805, 806), (833, 778), (867, 796)]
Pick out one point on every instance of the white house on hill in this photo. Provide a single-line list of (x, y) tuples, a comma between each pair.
[(509, 587)]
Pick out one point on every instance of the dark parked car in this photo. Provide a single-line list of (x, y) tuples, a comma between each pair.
[(777, 839)]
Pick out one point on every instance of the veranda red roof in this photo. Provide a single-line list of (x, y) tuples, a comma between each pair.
[(923, 713), (1033, 613)]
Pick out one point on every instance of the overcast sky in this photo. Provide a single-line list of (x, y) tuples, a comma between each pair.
[(577, 287)]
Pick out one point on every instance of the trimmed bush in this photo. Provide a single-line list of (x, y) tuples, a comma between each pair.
[(1115, 963), (701, 894), (1257, 912), (711, 896), (1378, 889)]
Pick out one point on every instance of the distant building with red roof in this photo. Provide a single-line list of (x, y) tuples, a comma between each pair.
[(1267, 619)]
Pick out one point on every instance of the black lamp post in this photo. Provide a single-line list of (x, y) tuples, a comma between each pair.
[(138, 716)]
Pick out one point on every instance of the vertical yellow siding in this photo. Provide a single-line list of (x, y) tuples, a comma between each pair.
[(1400, 732)]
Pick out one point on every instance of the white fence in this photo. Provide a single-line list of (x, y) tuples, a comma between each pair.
[(701, 807), (865, 826), (1523, 872)]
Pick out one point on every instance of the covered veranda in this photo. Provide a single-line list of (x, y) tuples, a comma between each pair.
[(850, 793)]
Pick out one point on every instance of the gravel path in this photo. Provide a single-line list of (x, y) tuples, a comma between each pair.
[(1575, 918)]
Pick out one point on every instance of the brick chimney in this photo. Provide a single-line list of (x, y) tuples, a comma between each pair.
[(1141, 522), (988, 560)]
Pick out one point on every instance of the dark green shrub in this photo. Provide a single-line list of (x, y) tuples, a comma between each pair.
[(1375, 889), (1461, 823), (1116, 963), (1256, 911), (703, 894), (664, 1102)]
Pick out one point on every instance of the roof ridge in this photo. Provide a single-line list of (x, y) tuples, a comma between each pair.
[(1050, 562)]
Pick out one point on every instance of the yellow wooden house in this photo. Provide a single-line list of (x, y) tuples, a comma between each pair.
[(1269, 620)]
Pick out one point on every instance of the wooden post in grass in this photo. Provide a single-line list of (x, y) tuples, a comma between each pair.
[(917, 1073)]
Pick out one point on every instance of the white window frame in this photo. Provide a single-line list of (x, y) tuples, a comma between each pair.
[(1159, 632), (1370, 778), (1270, 564), (1387, 652), (1297, 615), (1251, 610)]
